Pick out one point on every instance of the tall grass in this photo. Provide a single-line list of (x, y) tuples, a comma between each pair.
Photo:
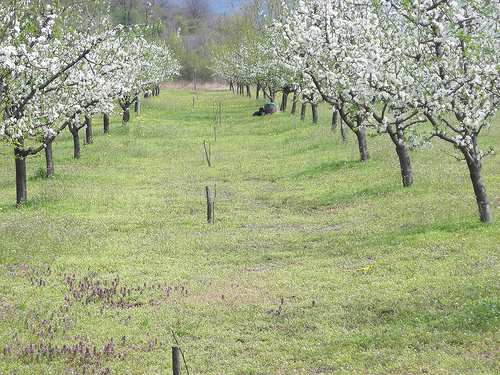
[(316, 262)]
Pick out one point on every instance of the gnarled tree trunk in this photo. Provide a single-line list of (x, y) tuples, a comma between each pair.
[(294, 105), (74, 129), (126, 116), (334, 119), (303, 112), (405, 165), (342, 130), (360, 132), (482, 200), (404, 158), (21, 184), (49, 159), (105, 121), (88, 130), (284, 101), (314, 110)]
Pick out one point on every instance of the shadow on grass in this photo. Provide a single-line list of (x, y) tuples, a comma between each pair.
[(355, 196), (323, 168), (447, 227)]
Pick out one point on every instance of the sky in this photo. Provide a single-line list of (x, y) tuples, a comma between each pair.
[(224, 6), (219, 6)]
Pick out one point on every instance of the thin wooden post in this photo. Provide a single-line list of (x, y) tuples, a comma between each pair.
[(176, 365), (208, 154), (209, 204)]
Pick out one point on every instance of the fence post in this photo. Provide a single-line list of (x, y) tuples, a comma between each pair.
[(209, 205), (176, 366)]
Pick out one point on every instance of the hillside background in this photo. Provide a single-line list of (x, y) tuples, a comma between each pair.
[(218, 6), (188, 26)]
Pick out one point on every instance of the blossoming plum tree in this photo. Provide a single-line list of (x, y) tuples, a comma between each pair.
[(449, 53), (336, 47), (247, 51), (145, 64), (39, 49), (397, 64), (53, 70)]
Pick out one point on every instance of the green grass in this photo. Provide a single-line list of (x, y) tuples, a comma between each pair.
[(316, 263)]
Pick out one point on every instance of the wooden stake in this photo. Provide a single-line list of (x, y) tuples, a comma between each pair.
[(208, 153), (176, 365), (209, 204)]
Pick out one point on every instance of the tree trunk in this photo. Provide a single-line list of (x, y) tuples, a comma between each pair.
[(105, 120), (21, 185), (136, 105), (249, 94), (294, 105), (314, 108), (272, 94), (483, 203), (405, 164), (342, 130), (397, 138), (49, 160), (284, 101), (361, 134), (76, 142), (334, 119), (303, 112), (126, 116), (157, 90), (257, 90), (88, 130)]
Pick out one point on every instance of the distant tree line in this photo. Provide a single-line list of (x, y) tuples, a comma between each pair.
[(188, 28)]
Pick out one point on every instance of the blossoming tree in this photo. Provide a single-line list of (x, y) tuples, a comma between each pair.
[(52, 71), (247, 51), (449, 51), (146, 64)]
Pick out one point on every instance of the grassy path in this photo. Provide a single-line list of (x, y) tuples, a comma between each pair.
[(316, 263)]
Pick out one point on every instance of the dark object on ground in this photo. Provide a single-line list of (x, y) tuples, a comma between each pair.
[(271, 108), (260, 112)]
